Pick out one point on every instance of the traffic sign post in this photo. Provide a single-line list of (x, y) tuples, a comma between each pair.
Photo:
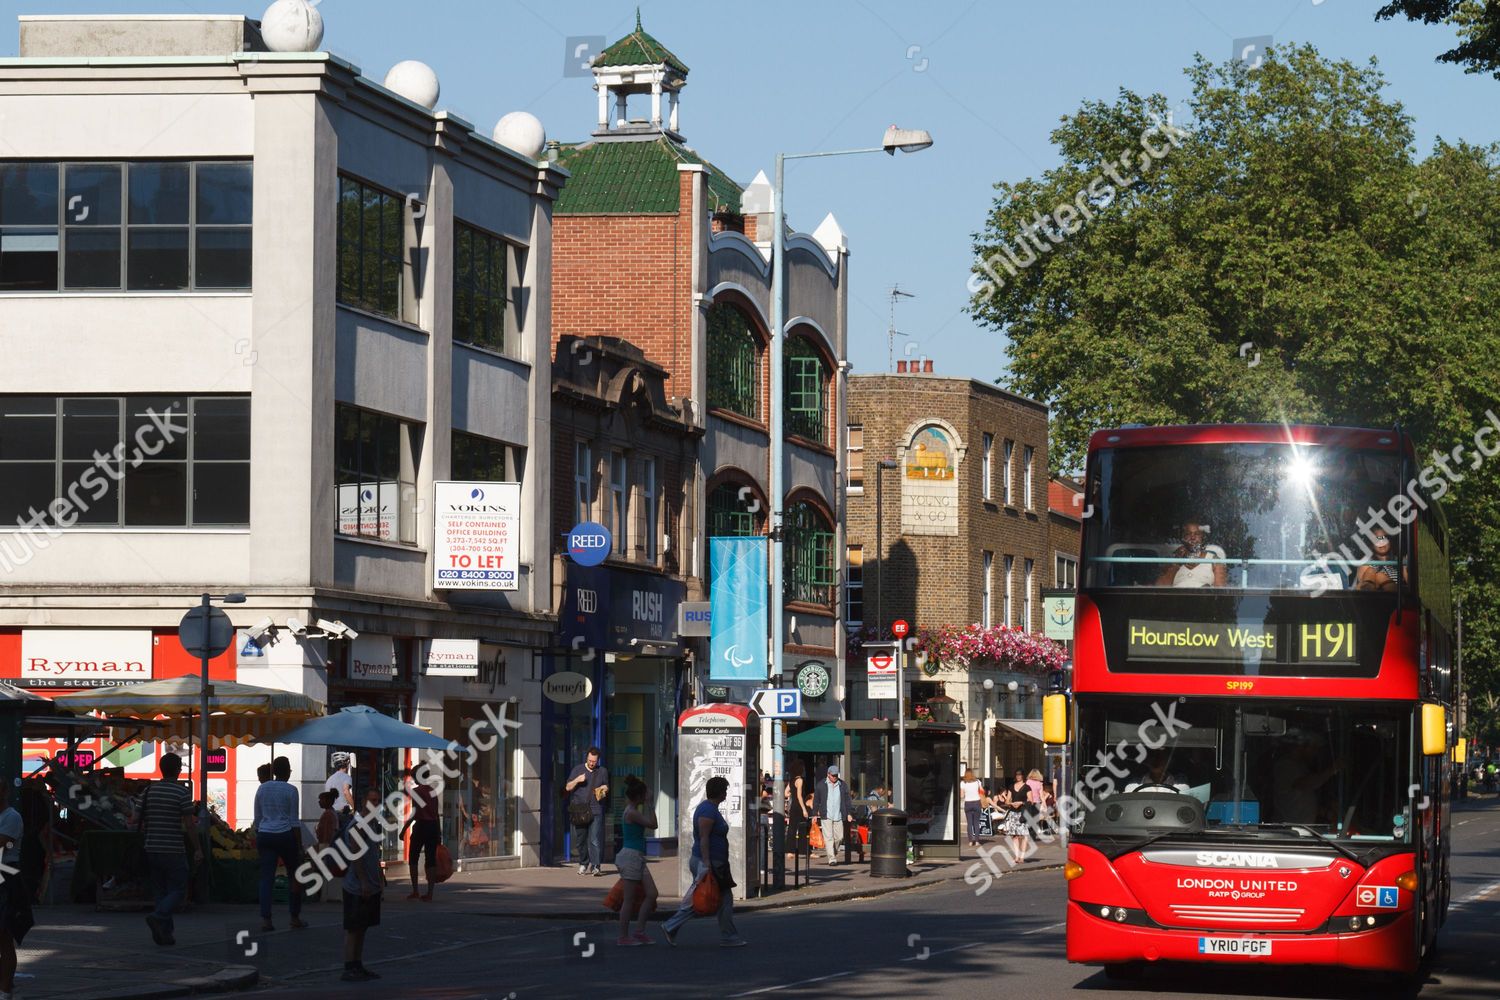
[(206, 632), (777, 703)]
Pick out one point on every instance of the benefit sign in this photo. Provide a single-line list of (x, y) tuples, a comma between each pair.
[(477, 534)]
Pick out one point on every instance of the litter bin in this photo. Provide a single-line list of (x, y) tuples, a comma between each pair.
[(888, 843)]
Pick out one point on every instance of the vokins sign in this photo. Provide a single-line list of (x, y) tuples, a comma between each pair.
[(477, 536), (80, 658)]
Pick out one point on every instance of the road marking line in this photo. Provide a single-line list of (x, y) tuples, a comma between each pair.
[(421, 954), (1477, 896), (940, 951), (1463, 821), (787, 986), (1040, 930)]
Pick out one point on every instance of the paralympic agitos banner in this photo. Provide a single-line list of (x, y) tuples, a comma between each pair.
[(737, 597)]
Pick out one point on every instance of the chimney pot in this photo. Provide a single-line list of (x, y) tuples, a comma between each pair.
[(927, 366), (901, 367)]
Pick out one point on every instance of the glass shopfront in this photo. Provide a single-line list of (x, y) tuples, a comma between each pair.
[(479, 805)]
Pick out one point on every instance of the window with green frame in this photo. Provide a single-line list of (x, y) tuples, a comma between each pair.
[(733, 510), (478, 287), (808, 552), (372, 232), (733, 361), (805, 395)]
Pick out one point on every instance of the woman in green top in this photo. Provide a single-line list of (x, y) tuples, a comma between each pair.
[(631, 862)]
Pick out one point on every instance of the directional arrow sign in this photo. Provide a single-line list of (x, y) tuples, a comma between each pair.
[(777, 703)]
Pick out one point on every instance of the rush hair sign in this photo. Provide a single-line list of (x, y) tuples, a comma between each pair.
[(82, 658)]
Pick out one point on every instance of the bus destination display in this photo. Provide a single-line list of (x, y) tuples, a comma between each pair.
[(1325, 643)]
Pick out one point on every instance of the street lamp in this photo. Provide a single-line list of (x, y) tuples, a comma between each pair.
[(989, 756), (880, 467), (908, 141)]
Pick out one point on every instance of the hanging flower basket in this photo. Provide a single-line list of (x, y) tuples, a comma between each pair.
[(950, 647)]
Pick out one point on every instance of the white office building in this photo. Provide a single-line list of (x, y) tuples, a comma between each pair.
[(254, 306)]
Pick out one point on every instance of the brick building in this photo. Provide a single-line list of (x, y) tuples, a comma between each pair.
[(949, 524), (660, 306)]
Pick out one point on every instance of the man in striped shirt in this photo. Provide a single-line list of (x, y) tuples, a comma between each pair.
[(166, 812)]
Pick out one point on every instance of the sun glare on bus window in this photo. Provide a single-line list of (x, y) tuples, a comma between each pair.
[(1301, 471)]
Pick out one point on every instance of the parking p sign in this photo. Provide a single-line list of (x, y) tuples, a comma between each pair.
[(777, 703)]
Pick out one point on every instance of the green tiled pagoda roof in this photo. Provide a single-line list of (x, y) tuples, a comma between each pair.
[(639, 49), (616, 177)]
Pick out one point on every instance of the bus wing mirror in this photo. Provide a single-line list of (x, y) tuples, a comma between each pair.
[(1434, 730), (1055, 719)]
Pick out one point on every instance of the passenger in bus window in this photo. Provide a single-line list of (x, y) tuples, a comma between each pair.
[(1195, 574), (1372, 575)]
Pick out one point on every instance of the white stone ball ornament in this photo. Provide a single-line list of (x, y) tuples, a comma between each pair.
[(292, 26), (415, 81), (523, 133)]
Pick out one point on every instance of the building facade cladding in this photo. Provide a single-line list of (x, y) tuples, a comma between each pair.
[(938, 579), (654, 240), (936, 428), (311, 128)]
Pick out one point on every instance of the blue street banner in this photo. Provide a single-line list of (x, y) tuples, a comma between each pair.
[(737, 596)]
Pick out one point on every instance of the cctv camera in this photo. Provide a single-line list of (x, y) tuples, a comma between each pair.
[(296, 626), (260, 628)]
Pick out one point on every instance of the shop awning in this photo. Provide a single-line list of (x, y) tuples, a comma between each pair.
[(1029, 728), (237, 713), (827, 738)]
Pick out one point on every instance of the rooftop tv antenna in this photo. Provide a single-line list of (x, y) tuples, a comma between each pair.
[(891, 332)]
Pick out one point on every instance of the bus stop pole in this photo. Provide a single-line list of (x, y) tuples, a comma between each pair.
[(901, 725)]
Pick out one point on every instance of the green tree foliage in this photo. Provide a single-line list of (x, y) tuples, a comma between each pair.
[(1478, 23), (1296, 223)]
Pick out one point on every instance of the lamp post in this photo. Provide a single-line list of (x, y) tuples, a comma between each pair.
[(908, 141), (989, 757), (880, 467)]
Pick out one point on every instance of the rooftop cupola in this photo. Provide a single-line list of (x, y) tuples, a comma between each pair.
[(637, 64)]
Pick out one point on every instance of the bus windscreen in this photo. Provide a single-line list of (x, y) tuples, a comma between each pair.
[(1246, 516)]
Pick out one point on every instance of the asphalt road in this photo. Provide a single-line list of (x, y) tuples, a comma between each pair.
[(942, 941)]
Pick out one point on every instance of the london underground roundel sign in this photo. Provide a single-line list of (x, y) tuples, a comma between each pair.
[(589, 543)]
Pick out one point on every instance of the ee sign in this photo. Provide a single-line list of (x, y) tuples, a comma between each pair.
[(589, 543), (477, 536)]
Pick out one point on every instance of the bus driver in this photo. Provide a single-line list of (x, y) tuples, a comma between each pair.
[(1195, 574)]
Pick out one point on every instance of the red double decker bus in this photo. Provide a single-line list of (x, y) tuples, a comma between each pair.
[(1260, 696)]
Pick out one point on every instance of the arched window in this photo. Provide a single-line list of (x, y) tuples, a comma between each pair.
[(733, 361), (734, 509), (808, 553), (806, 391)]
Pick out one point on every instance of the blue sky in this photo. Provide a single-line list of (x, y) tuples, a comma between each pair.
[(989, 79)]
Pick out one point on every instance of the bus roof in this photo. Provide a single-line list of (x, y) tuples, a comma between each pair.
[(1183, 434)]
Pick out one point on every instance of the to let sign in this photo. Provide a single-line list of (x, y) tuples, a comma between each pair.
[(477, 536)]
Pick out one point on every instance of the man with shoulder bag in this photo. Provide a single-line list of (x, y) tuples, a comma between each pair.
[(587, 790)]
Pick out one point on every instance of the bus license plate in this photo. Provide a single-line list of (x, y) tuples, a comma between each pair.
[(1233, 946)]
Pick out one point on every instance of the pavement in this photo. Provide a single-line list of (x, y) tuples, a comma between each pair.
[(80, 953)]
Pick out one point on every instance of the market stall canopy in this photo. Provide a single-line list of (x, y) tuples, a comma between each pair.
[(827, 738), (237, 713), (362, 727)]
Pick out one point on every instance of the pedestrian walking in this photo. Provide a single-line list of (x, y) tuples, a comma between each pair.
[(797, 815), (710, 859), (833, 809), (587, 788), (426, 832), (973, 792), (631, 861), (1013, 802), (166, 811), (341, 782), (362, 889), (15, 900), (278, 837)]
